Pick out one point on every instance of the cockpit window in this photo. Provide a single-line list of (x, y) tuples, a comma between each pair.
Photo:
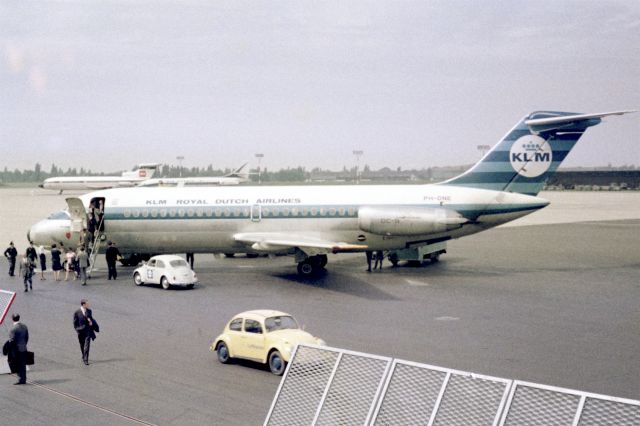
[(63, 214)]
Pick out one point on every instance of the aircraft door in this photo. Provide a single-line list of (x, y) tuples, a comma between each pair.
[(78, 217), (256, 213)]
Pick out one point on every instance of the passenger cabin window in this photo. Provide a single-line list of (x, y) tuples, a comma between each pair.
[(251, 326), (152, 263), (160, 264), (236, 324)]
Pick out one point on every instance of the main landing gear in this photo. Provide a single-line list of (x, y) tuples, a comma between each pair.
[(311, 265)]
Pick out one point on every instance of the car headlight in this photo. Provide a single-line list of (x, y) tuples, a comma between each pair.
[(320, 342)]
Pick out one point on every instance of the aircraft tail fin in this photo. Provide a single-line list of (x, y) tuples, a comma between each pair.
[(530, 152), (238, 173), (146, 170)]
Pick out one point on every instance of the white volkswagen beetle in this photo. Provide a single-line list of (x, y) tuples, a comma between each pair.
[(167, 270)]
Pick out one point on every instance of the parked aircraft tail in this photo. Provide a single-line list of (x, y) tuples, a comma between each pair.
[(530, 153), (238, 173)]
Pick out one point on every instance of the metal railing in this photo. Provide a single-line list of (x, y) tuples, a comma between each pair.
[(329, 386)]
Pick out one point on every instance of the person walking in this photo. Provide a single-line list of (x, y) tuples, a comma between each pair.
[(56, 265), (26, 271), (86, 328), (18, 338), (11, 253), (43, 261), (70, 266), (31, 253), (379, 259), (111, 255), (369, 255), (190, 259), (83, 264)]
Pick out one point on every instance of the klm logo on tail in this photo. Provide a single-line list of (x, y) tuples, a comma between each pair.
[(530, 156), (530, 152)]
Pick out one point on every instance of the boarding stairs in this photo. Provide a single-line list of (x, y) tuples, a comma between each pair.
[(95, 246)]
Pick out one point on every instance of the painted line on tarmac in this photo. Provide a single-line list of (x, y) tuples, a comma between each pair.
[(91, 404), (445, 318), (417, 283)]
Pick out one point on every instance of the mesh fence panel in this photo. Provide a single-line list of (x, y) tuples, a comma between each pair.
[(337, 387), (410, 396), (534, 406), (303, 387), (6, 299), (353, 390), (470, 400), (599, 412)]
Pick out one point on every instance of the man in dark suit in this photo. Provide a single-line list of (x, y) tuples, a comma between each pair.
[(85, 325), (11, 253), (111, 256), (18, 338)]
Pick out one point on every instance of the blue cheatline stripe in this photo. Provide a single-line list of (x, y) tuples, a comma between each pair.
[(519, 187), (144, 213), (500, 178)]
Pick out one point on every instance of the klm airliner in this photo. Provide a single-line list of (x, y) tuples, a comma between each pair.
[(311, 221)]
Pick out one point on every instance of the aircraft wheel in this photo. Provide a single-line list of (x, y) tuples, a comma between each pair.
[(306, 268), (137, 279), (229, 254), (164, 282), (393, 258), (252, 255)]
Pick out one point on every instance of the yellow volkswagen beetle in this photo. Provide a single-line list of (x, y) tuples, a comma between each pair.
[(265, 336)]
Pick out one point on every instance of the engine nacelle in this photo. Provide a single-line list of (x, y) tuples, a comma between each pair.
[(404, 221)]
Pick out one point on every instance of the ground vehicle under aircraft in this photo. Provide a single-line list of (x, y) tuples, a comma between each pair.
[(311, 221)]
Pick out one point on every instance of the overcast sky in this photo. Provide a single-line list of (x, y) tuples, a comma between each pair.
[(107, 84)]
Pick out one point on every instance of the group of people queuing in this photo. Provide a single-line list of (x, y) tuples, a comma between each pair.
[(74, 263), (18, 357)]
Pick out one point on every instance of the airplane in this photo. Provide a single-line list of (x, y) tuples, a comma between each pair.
[(139, 173), (311, 221), (236, 177)]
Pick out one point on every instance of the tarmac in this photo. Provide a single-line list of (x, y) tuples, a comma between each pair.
[(555, 304)]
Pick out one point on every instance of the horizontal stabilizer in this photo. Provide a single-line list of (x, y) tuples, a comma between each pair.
[(558, 122)]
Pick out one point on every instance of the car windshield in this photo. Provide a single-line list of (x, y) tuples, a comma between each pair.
[(179, 263), (280, 323)]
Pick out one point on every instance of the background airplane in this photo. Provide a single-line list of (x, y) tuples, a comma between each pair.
[(311, 221), (139, 173), (236, 177)]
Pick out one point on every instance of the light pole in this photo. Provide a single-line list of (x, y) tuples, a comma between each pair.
[(358, 153), (259, 157), (180, 158), (483, 149)]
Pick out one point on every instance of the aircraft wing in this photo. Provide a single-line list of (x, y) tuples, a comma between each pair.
[(276, 241)]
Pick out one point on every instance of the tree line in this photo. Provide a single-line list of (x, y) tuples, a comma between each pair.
[(37, 174)]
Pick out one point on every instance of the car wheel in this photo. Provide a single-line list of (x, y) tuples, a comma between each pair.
[(276, 363), (164, 282), (223, 353), (190, 285), (229, 254), (137, 279)]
